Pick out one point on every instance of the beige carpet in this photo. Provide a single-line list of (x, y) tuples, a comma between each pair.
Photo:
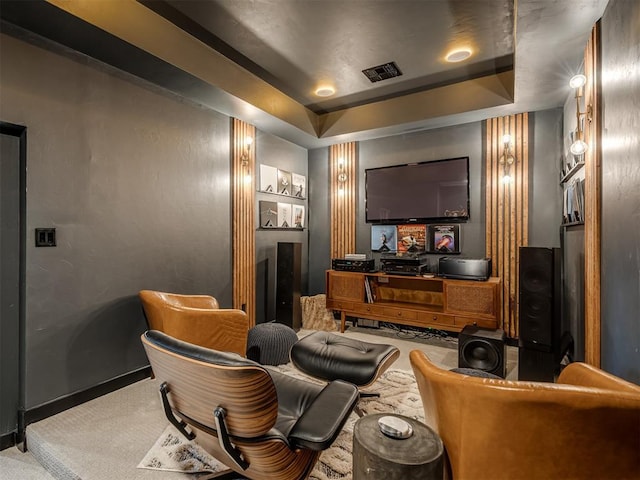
[(398, 394)]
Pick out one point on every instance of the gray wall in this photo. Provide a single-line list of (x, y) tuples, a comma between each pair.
[(621, 189), (279, 153), (137, 186), (448, 142)]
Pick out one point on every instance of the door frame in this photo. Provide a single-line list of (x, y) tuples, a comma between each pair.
[(20, 132)]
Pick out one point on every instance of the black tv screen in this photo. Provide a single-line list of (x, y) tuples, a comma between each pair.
[(422, 192)]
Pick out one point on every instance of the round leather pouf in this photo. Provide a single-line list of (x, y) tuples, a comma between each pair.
[(269, 343)]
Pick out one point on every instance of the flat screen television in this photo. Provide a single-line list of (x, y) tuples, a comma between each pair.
[(424, 192)]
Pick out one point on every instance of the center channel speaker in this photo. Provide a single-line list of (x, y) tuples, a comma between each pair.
[(482, 349)]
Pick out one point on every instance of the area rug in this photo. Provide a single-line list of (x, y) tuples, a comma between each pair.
[(398, 394)]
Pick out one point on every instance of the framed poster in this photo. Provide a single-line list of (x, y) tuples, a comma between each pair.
[(268, 214), (298, 185), (268, 179), (383, 238), (298, 216), (444, 239), (412, 238), (285, 217), (284, 182)]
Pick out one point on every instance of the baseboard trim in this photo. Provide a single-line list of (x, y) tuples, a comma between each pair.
[(72, 400), (7, 440)]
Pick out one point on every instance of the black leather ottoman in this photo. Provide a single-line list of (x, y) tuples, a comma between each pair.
[(329, 356)]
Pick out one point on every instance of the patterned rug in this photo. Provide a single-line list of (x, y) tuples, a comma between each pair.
[(398, 394)]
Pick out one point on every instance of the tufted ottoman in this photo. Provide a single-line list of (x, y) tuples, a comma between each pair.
[(329, 356), (269, 343)]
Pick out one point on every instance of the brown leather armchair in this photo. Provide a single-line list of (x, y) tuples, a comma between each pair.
[(261, 423), (196, 319), (587, 425)]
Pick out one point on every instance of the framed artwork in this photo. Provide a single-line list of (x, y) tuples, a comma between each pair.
[(268, 179), (383, 238), (284, 182), (412, 238), (268, 214), (298, 186), (444, 239), (285, 217), (298, 216)]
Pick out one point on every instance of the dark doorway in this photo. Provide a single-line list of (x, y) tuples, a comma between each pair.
[(12, 259)]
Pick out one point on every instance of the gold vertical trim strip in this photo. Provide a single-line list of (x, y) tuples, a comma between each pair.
[(592, 206), (343, 161), (507, 210), (243, 201)]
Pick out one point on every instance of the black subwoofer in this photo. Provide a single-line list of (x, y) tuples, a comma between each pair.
[(482, 349)]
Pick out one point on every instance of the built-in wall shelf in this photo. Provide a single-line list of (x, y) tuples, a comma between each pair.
[(572, 224), (576, 168)]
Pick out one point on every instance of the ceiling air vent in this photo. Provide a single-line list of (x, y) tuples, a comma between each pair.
[(382, 72)]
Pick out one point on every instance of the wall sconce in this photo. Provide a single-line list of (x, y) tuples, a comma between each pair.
[(342, 175), (579, 146), (248, 141), (507, 158)]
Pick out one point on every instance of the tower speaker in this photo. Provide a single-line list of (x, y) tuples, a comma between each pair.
[(540, 319), (540, 307), (288, 284), (482, 349)]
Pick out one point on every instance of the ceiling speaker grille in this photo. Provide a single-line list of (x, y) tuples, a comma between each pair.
[(382, 72)]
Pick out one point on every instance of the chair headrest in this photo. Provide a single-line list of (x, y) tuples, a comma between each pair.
[(196, 352)]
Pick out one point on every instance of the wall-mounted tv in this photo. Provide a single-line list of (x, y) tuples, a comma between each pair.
[(424, 192)]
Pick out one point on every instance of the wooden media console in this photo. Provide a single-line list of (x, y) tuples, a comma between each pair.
[(428, 302)]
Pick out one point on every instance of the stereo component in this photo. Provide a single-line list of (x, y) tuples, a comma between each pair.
[(465, 268), (349, 265)]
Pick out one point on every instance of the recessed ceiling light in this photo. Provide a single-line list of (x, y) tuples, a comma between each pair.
[(458, 55), (325, 91)]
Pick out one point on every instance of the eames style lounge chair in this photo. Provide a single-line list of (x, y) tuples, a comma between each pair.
[(196, 319), (261, 423), (587, 425)]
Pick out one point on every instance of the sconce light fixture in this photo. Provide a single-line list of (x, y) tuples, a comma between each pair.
[(507, 158), (579, 146), (341, 176), (248, 141)]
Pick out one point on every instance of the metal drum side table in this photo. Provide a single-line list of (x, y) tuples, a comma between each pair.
[(378, 456)]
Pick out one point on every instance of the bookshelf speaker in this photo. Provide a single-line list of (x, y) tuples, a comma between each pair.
[(482, 349), (288, 284)]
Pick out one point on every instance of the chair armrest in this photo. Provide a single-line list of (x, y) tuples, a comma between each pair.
[(318, 427), (225, 330), (584, 375)]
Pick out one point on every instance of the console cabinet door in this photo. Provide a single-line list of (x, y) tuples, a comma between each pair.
[(345, 286), (472, 298)]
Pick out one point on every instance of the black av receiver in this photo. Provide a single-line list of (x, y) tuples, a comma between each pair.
[(349, 265)]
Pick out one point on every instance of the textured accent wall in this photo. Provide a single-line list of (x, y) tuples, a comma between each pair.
[(342, 177), (620, 233), (507, 209), (244, 245)]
